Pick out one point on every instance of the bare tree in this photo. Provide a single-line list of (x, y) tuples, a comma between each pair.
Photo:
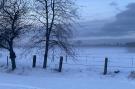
[(56, 17), (12, 25)]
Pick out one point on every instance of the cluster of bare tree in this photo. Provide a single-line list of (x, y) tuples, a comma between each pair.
[(55, 17)]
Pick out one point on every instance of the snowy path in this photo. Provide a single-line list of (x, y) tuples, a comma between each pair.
[(9, 81)]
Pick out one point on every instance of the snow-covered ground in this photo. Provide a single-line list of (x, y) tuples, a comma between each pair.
[(84, 72), (30, 82)]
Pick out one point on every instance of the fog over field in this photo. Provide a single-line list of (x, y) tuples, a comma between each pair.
[(114, 24)]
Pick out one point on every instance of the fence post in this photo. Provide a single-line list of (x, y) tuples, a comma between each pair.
[(7, 61), (60, 63), (105, 66), (34, 61)]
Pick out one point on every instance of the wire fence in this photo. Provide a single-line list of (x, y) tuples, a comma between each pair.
[(92, 61), (116, 62)]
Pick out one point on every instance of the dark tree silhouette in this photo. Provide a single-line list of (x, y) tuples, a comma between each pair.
[(56, 17), (12, 25)]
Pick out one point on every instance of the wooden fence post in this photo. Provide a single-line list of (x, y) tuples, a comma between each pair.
[(60, 63), (34, 61), (105, 66), (7, 61)]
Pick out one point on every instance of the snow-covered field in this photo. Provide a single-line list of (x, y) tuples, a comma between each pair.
[(85, 71)]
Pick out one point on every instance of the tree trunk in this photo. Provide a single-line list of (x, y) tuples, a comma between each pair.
[(12, 56), (47, 36), (46, 53)]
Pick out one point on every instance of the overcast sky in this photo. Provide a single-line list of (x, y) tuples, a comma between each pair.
[(101, 9), (106, 18)]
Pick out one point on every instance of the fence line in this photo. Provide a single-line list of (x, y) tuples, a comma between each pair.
[(113, 62), (95, 61)]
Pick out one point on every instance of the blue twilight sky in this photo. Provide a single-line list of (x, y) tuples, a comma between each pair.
[(101, 9)]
